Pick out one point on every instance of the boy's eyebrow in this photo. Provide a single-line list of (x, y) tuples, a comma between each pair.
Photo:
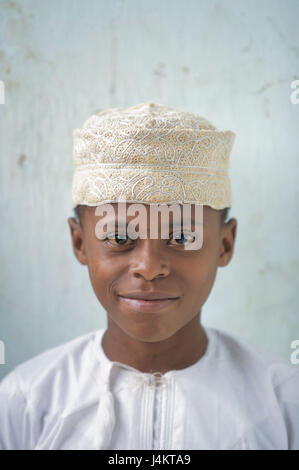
[(117, 220)]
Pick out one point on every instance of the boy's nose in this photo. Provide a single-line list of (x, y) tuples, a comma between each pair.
[(149, 260)]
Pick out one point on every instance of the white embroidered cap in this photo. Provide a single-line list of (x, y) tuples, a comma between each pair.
[(151, 154)]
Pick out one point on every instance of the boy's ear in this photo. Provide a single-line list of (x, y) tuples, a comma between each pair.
[(228, 238), (77, 240)]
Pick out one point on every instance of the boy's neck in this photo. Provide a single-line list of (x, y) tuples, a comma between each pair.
[(183, 349)]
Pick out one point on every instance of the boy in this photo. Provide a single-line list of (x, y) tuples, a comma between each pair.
[(155, 378)]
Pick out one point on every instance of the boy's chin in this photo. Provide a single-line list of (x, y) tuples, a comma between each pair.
[(149, 333)]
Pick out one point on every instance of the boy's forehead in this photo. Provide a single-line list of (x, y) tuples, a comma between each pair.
[(171, 209), (147, 221), (174, 213)]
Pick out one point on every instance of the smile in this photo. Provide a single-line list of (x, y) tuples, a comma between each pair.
[(152, 305)]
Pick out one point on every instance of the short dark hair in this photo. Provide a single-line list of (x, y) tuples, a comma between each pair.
[(224, 215), (78, 211)]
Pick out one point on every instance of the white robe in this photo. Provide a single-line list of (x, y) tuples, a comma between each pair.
[(235, 397)]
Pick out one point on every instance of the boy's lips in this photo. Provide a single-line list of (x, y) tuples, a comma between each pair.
[(148, 301), (148, 295)]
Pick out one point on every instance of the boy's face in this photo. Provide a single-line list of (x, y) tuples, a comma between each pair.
[(120, 268)]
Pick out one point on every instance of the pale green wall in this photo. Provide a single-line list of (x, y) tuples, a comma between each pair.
[(231, 61)]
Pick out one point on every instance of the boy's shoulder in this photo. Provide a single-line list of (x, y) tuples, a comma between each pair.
[(256, 387), (60, 363), (238, 357)]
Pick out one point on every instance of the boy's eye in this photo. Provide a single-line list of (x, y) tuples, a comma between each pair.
[(120, 239), (182, 239)]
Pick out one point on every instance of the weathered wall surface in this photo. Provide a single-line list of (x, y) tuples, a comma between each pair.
[(233, 62)]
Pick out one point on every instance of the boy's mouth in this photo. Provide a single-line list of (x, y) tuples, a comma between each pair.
[(147, 301)]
